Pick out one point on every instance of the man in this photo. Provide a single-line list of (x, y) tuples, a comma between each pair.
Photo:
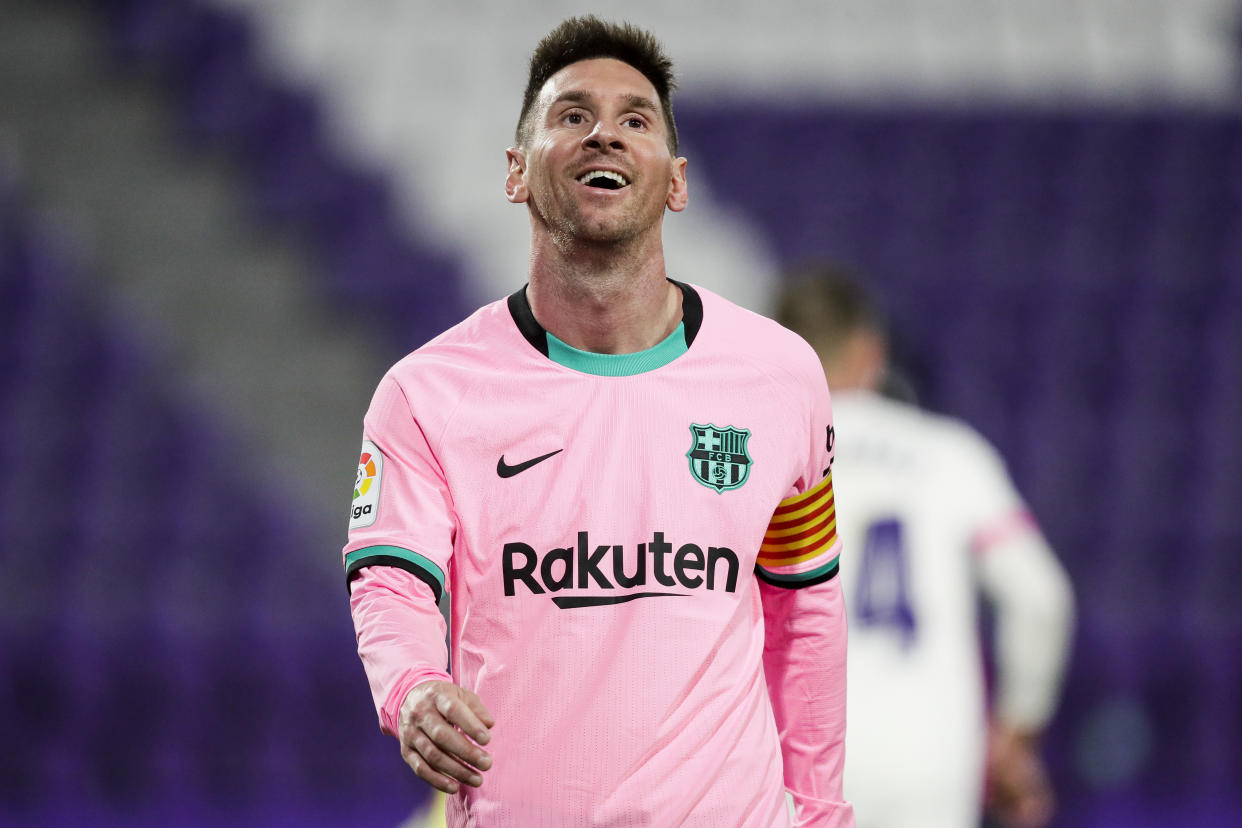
[(623, 483), (931, 515)]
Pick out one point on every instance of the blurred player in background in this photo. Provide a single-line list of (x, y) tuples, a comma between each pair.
[(931, 519), (623, 482)]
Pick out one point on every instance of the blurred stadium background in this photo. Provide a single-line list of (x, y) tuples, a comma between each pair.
[(221, 221)]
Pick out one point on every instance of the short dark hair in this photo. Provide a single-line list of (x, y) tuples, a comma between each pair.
[(587, 37), (826, 304)]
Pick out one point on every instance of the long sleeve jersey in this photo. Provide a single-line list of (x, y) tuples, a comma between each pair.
[(637, 558)]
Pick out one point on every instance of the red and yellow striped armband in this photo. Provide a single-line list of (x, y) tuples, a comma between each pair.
[(800, 547)]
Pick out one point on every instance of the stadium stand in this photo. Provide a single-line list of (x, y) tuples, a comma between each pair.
[(165, 653), (1048, 196)]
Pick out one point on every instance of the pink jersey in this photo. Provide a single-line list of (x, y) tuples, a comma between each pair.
[(639, 552)]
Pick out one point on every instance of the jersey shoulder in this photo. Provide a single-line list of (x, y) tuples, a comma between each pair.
[(870, 424), (435, 377), (738, 333), (887, 448)]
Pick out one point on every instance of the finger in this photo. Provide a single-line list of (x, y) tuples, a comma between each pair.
[(424, 771), (443, 762), (442, 735), (477, 707), (467, 712)]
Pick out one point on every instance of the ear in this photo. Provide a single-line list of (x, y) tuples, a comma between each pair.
[(678, 196), (515, 181)]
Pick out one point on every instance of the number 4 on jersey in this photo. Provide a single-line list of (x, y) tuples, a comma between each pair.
[(883, 599)]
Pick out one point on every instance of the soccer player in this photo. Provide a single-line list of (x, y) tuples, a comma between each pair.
[(620, 484), (931, 519)]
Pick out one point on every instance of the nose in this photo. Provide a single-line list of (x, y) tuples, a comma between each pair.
[(605, 136)]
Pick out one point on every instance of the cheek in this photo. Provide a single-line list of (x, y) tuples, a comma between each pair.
[(541, 169)]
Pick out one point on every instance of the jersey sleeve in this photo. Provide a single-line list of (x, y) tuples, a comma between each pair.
[(801, 547), (995, 512), (1028, 589), (804, 665), (402, 513), (401, 531), (401, 637), (805, 625), (1033, 604)]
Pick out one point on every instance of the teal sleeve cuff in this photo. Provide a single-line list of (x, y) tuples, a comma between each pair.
[(422, 568)]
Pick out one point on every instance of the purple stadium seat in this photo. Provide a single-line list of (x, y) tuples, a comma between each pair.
[(1069, 282)]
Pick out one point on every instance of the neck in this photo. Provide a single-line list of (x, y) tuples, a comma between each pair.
[(604, 298)]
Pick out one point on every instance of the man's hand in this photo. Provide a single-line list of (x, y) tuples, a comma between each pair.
[(1019, 793), (441, 728)]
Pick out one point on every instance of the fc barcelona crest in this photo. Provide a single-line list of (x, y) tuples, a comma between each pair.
[(718, 457)]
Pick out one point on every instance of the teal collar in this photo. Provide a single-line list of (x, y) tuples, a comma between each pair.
[(611, 365), (619, 365)]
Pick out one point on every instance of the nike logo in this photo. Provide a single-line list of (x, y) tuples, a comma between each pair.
[(505, 470)]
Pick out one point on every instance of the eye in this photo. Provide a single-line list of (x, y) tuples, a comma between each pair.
[(574, 118), (634, 122)]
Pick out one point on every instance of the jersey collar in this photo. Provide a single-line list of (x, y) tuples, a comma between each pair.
[(611, 365)]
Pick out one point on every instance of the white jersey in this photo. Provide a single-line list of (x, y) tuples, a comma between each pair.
[(924, 504)]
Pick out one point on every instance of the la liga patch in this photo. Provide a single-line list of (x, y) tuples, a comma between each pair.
[(365, 506)]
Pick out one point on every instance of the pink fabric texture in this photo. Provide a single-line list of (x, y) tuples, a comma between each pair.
[(596, 536)]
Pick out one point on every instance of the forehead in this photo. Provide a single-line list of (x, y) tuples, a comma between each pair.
[(602, 79)]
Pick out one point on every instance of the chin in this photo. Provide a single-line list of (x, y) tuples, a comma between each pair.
[(602, 231), (614, 228), (607, 234)]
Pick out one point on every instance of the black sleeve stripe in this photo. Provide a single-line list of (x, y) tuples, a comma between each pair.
[(794, 584), (401, 563)]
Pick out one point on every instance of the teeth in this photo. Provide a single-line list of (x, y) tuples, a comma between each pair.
[(587, 178)]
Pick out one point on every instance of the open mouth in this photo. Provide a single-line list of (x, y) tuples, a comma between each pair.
[(603, 180)]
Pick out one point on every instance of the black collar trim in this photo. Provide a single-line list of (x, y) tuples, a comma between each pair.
[(524, 318)]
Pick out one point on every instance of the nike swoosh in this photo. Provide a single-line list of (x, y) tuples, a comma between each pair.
[(505, 470)]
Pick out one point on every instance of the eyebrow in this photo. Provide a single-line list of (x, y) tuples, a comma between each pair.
[(582, 96)]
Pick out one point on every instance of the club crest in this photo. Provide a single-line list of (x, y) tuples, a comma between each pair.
[(718, 457)]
